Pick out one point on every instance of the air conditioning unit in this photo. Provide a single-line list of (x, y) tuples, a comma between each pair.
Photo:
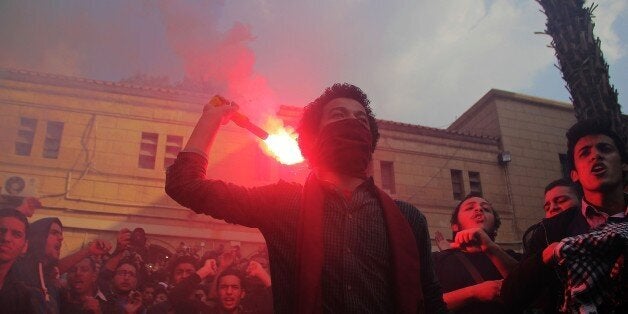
[(18, 185)]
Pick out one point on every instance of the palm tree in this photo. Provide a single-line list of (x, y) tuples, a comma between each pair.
[(581, 61)]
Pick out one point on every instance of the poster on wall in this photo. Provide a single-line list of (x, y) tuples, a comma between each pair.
[(17, 185)]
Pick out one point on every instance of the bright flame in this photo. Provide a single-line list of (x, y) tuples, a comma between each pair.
[(281, 143)]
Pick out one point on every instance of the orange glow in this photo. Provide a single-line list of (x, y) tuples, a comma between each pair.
[(281, 143)]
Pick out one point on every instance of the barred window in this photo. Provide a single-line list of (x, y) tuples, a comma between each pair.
[(474, 183), (52, 144), (25, 136), (148, 150), (173, 147), (457, 184)]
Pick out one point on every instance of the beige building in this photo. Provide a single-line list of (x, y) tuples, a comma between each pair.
[(94, 152)]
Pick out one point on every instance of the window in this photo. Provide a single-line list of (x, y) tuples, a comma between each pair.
[(25, 136), (148, 150), (457, 185), (564, 165), (173, 147), (474, 183), (388, 176), (54, 130)]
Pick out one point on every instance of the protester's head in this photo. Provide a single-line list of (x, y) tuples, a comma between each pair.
[(230, 289), (13, 235), (475, 212), (182, 267), (161, 295), (125, 277), (82, 277), (148, 294), (138, 237), (200, 293), (560, 195), (596, 156), (45, 240), (342, 111)]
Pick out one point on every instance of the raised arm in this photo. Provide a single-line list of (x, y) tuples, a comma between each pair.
[(186, 180), (476, 240), (204, 133), (94, 248)]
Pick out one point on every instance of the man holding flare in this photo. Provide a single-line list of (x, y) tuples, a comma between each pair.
[(337, 243)]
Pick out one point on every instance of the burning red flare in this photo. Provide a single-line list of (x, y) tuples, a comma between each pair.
[(281, 143)]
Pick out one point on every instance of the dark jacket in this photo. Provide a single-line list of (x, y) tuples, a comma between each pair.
[(34, 267), (533, 283), (15, 296)]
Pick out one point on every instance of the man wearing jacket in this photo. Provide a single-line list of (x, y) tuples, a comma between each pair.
[(337, 243), (598, 163)]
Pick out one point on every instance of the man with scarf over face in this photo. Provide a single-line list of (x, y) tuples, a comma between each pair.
[(336, 243)]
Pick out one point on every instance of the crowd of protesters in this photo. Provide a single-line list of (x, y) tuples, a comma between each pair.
[(338, 243), (105, 279)]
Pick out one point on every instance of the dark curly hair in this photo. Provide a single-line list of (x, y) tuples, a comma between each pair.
[(184, 259), (313, 112), (597, 126), (232, 271), (454, 216)]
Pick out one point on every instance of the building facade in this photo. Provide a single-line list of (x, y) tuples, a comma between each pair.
[(95, 154)]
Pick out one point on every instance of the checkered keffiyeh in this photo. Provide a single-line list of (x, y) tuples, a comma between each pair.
[(588, 261)]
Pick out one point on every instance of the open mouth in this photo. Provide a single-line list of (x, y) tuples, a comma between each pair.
[(478, 217), (598, 169)]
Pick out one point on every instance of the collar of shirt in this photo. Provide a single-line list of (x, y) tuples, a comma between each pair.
[(368, 184), (595, 217)]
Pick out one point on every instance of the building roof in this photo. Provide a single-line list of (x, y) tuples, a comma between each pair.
[(102, 86), (290, 112), (519, 98)]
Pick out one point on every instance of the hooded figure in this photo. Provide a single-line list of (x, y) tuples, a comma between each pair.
[(37, 269)]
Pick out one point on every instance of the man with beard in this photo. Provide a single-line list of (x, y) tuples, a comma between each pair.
[(40, 268), (598, 162), (337, 243), (185, 278), (471, 272), (82, 295)]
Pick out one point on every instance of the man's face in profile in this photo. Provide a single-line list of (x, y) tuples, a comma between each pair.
[(54, 241)]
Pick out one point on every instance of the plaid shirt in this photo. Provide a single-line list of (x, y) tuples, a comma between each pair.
[(588, 261), (356, 269)]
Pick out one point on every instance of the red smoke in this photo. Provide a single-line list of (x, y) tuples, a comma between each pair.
[(221, 59)]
